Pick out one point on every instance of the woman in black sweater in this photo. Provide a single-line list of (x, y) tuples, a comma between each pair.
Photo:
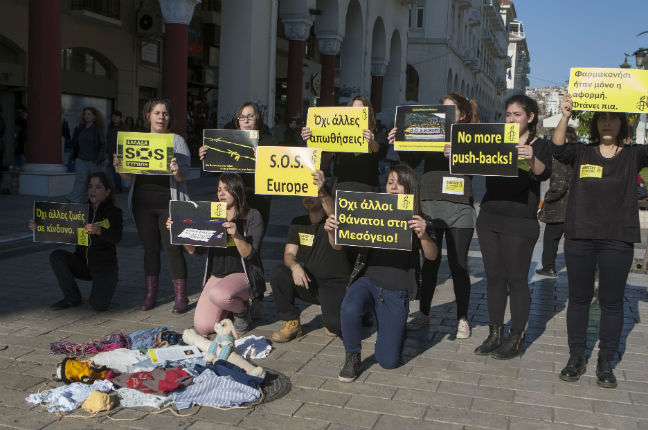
[(96, 262), (508, 230), (601, 226)]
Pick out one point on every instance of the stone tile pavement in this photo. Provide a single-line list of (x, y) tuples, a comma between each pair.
[(441, 384)]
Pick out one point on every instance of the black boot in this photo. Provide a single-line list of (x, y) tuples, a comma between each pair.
[(493, 341), (511, 347), (351, 367), (576, 366), (604, 376)]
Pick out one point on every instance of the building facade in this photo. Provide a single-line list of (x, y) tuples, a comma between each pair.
[(518, 52)]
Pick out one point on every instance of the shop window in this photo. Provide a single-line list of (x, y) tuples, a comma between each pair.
[(83, 61)]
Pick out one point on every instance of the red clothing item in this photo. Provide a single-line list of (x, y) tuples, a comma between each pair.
[(157, 381)]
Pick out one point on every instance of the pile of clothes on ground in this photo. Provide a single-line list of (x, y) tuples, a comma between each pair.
[(157, 368)]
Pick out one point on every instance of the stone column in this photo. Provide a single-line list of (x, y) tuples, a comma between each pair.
[(297, 31), (43, 146), (177, 16), (378, 69), (329, 47)]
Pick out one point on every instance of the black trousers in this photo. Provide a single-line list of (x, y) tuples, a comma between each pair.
[(68, 266), (613, 259), (457, 244), (328, 294), (552, 234), (507, 258), (151, 227)]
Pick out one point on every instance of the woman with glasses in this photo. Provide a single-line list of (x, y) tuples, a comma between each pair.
[(148, 202), (248, 117)]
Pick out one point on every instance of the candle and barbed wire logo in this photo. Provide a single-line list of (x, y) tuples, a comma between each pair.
[(642, 104)]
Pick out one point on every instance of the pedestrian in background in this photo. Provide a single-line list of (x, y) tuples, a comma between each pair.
[(508, 230), (601, 227), (148, 202), (554, 209), (116, 125), (88, 151)]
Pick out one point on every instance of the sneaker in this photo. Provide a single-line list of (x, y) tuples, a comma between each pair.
[(242, 321), (329, 333), (463, 329), (419, 322), (64, 304), (547, 271), (257, 309), (351, 368), (290, 330)]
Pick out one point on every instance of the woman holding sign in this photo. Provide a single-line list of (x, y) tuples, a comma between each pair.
[(601, 227), (377, 283), (96, 262), (235, 273), (359, 172), (508, 230), (149, 204), (448, 200)]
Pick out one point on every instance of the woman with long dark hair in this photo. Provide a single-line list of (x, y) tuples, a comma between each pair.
[(381, 281), (96, 262), (601, 227), (88, 151), (508, 230), (234, 274), (453, 216), (148, 202)]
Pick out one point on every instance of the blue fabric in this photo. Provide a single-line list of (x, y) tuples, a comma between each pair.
[(68, 397), (209, 389), (225, 350), (144, 338), (391, 308), (225, 368)]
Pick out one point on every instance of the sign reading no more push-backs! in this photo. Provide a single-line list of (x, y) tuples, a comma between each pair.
[(286, 170), (609, 90), (61, 222), (230, 150), (484, 149), (338, 129), (374, 220), (198, 223), (423, 128), (145, 153)]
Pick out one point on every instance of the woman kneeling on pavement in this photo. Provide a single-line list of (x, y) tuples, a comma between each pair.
[(601, 227), (234, 273), (377, 284), (96, 262)]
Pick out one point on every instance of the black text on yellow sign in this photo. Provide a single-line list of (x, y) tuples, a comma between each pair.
[(286, 171), (374, 220), (610, 90), (484, 149), (338, 129), (145, 153)]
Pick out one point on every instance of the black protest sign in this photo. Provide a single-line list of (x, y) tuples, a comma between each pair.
[(374, 220), (230, 150), (423, 127), (61, 222), (198, 223), (484, 149)]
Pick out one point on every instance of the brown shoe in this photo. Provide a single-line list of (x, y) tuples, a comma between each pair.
[(290, 330)]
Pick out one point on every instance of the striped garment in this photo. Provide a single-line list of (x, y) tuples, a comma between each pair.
[(208, 389)]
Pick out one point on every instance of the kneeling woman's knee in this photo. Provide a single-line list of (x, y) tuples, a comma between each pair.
[(389, 362)]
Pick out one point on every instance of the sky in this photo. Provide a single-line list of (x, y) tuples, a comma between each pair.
[(580, 33)]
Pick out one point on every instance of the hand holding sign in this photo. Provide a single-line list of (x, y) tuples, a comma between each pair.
[(418, 224), (566, 105)]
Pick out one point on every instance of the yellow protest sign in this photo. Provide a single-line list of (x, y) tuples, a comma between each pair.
[(338, 129), (145, 153), (286, 171), (609, 90)]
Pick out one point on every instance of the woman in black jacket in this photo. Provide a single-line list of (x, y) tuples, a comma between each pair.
[(88, 151), (96, 262)]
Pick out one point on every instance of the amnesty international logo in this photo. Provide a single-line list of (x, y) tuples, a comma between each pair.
[(405, 202), (642, 105), (511, 133), (218, 209)]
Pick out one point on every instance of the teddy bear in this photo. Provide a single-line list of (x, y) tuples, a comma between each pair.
[(222, 347)]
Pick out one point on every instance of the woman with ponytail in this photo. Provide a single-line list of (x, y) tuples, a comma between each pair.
[(453, 215), (508, 230)]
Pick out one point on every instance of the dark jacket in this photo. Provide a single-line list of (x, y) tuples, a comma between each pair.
[(554, 207), (111, 138), (251, 264), (102, 250), (98, 138)]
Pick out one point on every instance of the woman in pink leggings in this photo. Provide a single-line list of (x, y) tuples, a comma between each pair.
[(232, 274)]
